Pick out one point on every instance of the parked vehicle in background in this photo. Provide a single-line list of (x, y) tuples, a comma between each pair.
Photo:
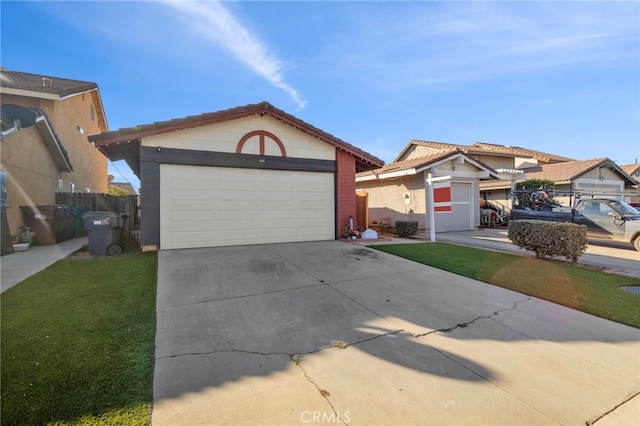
[(607, 220)]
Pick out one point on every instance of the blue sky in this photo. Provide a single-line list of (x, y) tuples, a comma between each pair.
[(561, 77)]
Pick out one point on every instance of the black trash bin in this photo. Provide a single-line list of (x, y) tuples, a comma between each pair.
[(105, 232), (44, 221)]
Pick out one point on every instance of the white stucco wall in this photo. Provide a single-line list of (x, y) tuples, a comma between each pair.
[(224, 137)]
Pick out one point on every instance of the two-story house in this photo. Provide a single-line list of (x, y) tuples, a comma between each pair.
[(481, 171), (44, 147), (599, 176)]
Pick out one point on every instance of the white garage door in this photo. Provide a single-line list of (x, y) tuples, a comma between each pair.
[(218, 206)]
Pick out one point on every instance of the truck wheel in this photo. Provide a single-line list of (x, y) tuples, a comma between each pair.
[(636, 243), (114, 250)]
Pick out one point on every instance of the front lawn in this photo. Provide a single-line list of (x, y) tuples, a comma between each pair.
[(78, 343), (581, 288), (78, 337)]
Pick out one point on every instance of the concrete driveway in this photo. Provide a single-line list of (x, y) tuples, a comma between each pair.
[(338, 333)]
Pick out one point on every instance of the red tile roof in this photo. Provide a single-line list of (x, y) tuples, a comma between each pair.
[(108, 141)]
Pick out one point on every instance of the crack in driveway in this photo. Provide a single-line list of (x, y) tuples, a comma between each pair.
[(325, 394), (334, 345), (466, 324), (603, 415)]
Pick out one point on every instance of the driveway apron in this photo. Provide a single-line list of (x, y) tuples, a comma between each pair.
[(337, 333)]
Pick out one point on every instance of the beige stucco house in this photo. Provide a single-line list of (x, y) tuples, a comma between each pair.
[(52, 154), (399, 191), (595, 177), (252, 174)]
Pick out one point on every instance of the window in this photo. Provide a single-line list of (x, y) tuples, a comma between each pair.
[(596, 209), (91, 113)]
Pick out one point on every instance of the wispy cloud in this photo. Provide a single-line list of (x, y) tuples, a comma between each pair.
[(217, 23), (431, 44)]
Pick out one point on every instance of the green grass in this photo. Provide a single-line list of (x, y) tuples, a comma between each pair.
[(78, 337), (78, 343), (577, 287)]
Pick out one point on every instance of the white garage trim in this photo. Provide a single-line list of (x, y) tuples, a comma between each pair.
[(222, 206)]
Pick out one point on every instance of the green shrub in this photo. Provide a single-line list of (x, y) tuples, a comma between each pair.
[(406, 228), (549, 238)]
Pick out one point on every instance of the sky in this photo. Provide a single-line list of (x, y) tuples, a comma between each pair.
[(561, 77)]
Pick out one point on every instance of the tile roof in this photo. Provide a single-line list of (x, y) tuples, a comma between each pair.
[(516, 150), (631, 169), (62, 87), (132, 134), (415, 163), (423, 162), (482, 148), (570, 170)]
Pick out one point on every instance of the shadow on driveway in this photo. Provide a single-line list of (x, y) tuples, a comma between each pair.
[(269, 333)]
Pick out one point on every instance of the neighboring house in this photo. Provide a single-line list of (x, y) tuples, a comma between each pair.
[(632, 170), (515, 164), (245, 175), (632, 193), (47, 151), (399, 190), (498, 157), (599, 177)]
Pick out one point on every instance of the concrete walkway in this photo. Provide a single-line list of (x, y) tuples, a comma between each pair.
[(338, 333), (18, 266)]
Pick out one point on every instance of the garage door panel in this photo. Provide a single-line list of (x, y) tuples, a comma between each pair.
[(190, 195), (229, 215), (227, 206), (194, 183), (190, 216), (192, 237)]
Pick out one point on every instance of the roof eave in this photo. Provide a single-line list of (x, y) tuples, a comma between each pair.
[(29, 93), (54, 145), (365, 161)]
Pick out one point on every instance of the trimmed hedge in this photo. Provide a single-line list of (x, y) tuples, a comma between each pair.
[(549, 238), (406, 228)]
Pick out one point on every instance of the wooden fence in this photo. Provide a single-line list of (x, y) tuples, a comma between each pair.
[(124, 204)]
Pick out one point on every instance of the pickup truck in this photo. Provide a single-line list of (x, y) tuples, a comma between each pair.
[(607, 220)]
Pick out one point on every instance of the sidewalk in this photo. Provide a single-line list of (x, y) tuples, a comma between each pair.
[(18, 266)]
